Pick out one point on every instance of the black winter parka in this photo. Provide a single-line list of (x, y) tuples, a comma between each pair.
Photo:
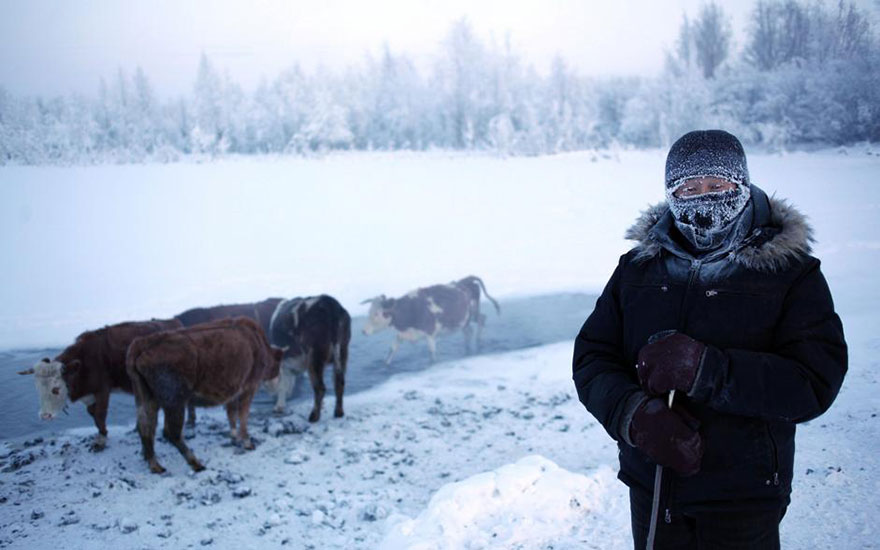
[(775, 355)]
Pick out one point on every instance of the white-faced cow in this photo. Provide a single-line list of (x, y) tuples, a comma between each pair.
[(317, 331), (215, 363), (427, 312), (89, 369)]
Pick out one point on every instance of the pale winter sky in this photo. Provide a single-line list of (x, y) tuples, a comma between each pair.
[(58, 46)]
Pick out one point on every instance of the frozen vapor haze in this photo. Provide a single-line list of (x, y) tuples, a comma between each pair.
[(52, 48)]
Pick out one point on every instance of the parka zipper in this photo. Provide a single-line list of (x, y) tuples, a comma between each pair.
[(774, 480), (694, 270)]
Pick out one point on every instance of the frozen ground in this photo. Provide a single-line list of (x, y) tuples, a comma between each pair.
[(447, 447), (407, 468)]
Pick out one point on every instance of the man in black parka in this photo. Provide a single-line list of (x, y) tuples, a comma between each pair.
[(720, 303)]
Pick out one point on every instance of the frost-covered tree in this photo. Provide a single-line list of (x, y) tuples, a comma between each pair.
[(711, 35), (459, 76), (209, 132), (144, 115), (681, 60)]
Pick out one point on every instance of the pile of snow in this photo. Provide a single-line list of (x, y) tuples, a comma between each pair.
[(528, 504)]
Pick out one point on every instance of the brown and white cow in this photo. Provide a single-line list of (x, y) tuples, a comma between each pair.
[(89, 369), (216, 363), (427, 312), (317, 331)]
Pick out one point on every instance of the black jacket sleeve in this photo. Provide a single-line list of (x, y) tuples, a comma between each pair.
[(799, 379), (604, 382)]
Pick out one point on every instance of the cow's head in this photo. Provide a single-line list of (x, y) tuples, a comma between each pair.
[(379, 316), (49, 377), (272, 373)]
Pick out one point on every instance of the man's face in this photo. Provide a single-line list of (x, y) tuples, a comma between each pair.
[(703, 184)]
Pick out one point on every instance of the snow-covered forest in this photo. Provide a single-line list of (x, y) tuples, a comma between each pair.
[(806, 73)]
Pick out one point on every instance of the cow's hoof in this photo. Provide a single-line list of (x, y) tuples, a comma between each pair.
[(197, 466), (156, 468), (97, 446), (248, 445), (278, 411), (314, 416), (338, 413), (189, 432)]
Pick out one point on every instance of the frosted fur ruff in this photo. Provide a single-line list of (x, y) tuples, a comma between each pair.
[(791, 237)]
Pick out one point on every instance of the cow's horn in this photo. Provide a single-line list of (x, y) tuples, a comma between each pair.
[(368, 301), (28, 371)]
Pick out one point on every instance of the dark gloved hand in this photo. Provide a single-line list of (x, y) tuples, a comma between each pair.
[(668, 436), (670, 363)]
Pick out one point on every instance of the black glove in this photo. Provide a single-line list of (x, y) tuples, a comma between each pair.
[(668, 436), (669, 363)]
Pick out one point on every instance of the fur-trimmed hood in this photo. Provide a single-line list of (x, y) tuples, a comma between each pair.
[(779, 235)]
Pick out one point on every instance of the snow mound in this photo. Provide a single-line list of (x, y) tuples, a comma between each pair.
[(524, 504)]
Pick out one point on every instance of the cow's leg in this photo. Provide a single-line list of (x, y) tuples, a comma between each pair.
[(340, 362), (98, 410), (432, 347), (316, 376), (395, 345), (174, 417), (231, 415), (481, 322), (148, 411), (285, 382), (190, 428), (468, 332), (244, 410)]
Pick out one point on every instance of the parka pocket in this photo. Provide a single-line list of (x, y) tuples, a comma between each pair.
[(774, 457)]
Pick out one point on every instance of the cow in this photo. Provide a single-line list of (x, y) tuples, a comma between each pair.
[(216, 363), (89, 369), (261, 312), (317, 331), (428, 311)]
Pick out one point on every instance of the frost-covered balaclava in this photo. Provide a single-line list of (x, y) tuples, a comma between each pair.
[(706, 220)]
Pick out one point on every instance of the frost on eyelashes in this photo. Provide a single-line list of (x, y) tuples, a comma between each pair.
[(708, 211)]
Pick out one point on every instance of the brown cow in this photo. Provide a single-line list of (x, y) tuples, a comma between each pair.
[(426, 312), (216, 363), (263, 313), (89, 369)]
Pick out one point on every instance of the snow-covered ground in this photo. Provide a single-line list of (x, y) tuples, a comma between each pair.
[(490, 452), (439, 459)]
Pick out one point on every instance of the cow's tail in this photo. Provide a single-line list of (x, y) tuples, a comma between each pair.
[(483, 287), (344, 340), (138, 382)]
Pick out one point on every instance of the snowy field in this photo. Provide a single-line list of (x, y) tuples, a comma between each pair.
[(487, 452)]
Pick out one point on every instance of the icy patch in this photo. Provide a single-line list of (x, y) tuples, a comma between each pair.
[(527, 503)]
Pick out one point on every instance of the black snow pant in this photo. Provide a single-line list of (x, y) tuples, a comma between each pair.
[(705, 529)]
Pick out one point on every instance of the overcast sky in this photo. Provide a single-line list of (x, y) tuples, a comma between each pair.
[(53, 47)]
